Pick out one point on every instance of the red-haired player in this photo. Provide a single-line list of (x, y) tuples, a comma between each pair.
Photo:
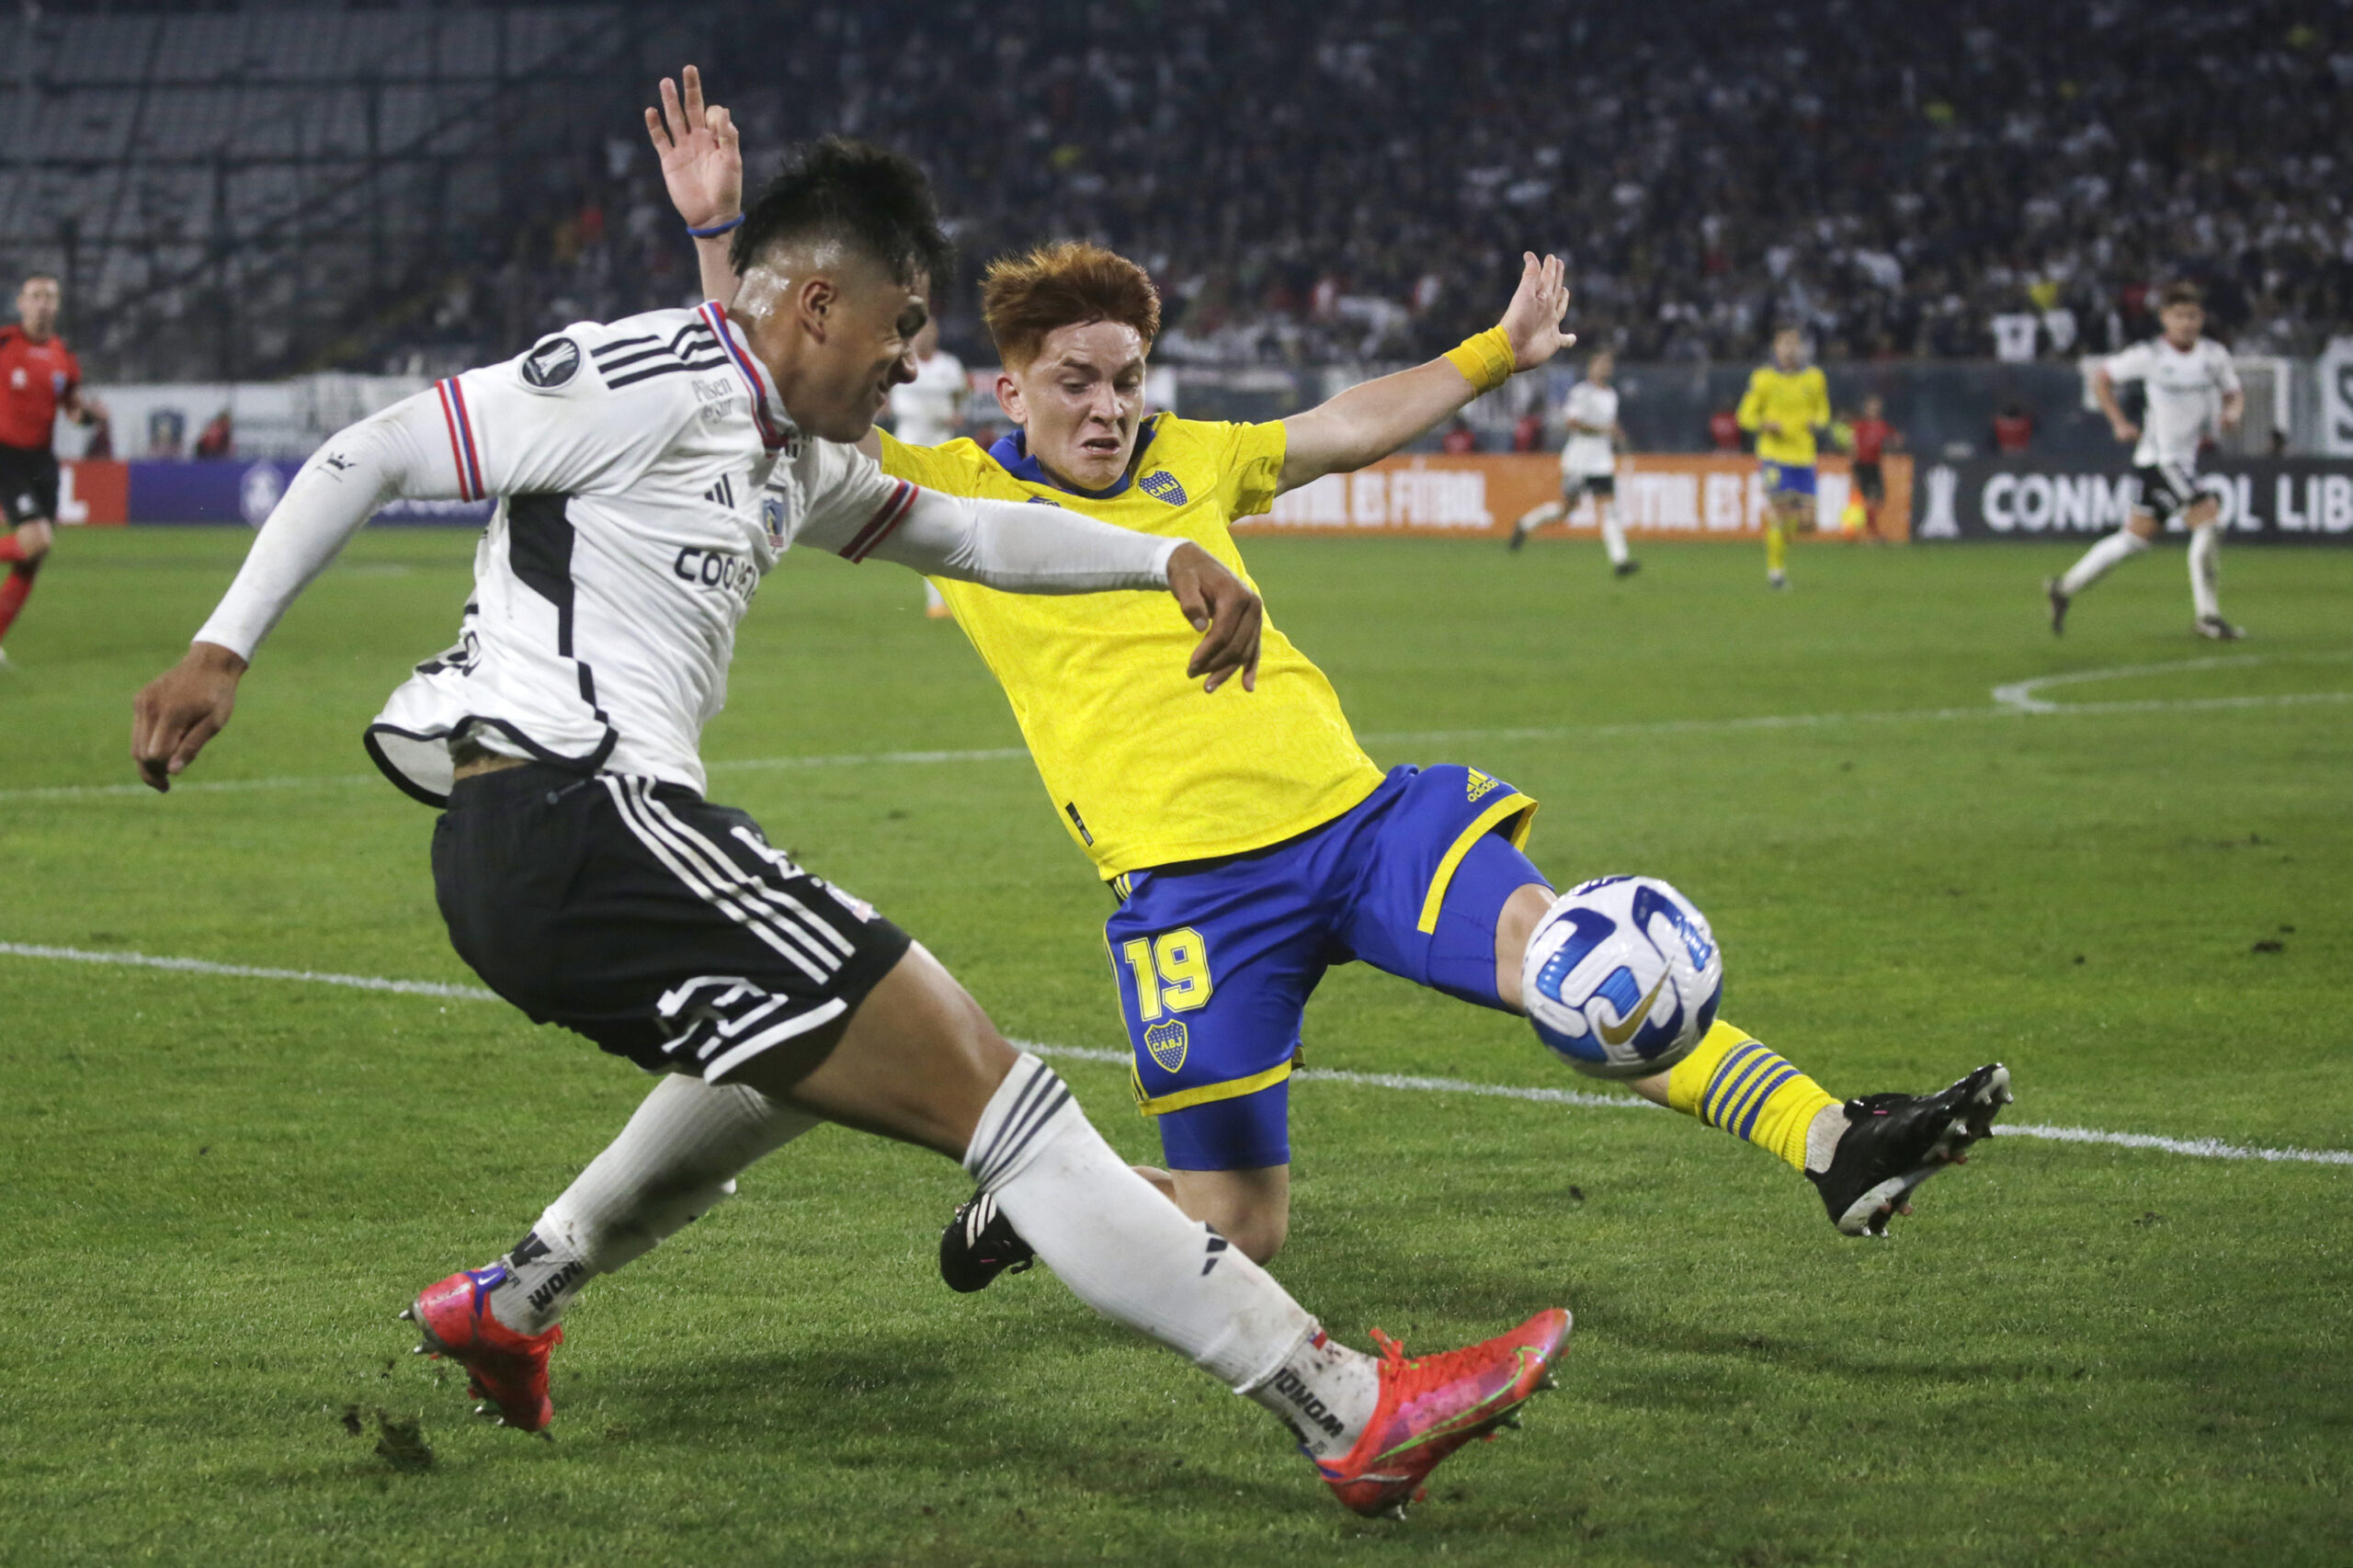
[(38, 376)]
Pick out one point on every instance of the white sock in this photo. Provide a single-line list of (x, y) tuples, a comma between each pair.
[(2206, 569), (2100, 559), (1821, 1135), (677, 1158), (1133, 1255), (1537, 517), (1613, 532)]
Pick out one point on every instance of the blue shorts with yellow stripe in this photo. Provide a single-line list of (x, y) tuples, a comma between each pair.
[(1216, 958)]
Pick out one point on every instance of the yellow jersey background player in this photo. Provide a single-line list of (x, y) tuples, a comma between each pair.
[(1250, 840), (1786, 402)]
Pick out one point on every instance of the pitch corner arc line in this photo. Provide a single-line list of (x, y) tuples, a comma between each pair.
[(2196, 1148)]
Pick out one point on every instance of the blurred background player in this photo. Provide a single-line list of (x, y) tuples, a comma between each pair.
[(1786, 402), (1589, 464), (2192, 391), (1869, 438), (929, 412), (38, 378)]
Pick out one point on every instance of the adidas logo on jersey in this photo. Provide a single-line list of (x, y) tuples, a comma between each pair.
[(1481, 784)]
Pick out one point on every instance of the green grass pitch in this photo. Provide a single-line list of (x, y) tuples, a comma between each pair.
[(219, 1190)]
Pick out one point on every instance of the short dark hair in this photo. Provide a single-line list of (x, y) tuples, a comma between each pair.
[(852, 191), (2182, 293)]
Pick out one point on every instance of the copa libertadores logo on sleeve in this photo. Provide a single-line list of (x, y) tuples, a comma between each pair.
[(552, 363)]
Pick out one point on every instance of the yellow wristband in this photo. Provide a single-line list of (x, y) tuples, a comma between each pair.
[(1487, 360)]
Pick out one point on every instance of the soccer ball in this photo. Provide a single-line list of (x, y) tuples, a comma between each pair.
[(1622, 977)]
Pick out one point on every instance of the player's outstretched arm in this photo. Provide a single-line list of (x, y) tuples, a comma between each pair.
[(338, 490), (1022, 549), (1368, 421), (702, 165)]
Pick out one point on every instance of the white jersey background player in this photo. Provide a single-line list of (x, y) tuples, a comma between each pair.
[(648, 474), (2193, 393), (1588, 464), (929, 412)]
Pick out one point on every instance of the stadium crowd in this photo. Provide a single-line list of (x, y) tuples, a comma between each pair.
[(1317, 183)]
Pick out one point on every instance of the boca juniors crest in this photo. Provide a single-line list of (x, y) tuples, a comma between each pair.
[(1161, 486), (1166, 1041)]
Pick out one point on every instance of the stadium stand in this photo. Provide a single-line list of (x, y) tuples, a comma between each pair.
[(1313, 183)]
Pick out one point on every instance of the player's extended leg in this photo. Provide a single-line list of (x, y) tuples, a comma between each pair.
[(2098, 562), (23, 550), (1777, 542), (920, 1061), (1451, 901)]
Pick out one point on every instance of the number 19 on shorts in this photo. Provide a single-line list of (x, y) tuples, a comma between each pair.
[(1172, 972)]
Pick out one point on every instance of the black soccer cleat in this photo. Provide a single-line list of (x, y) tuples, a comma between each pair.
[(1894, 1143), (1627, 568), (2214, 628), (2059, 603), (980, 1243)]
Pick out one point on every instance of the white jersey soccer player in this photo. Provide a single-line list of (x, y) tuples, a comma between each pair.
[(648, 474), (1588, 464), (2193, 394), (929, 412)]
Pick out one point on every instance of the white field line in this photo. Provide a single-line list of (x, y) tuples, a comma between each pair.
[(2199, 1148), (2017, 701)]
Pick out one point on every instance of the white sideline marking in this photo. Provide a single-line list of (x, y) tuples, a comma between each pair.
[(2199, 1148), (248, 972), (2012, 701)]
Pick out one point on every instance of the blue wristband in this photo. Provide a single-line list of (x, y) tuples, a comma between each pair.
[(716, 229)]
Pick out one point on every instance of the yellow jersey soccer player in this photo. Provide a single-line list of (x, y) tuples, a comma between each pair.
[(1250, 840), (1786, 402)]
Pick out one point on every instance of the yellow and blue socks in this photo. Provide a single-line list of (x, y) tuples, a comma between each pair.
[(1732, 1082)]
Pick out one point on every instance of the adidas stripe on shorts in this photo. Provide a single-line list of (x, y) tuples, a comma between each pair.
[(663, 927)]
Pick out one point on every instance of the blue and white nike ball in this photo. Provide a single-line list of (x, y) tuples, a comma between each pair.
[(1622, 977)]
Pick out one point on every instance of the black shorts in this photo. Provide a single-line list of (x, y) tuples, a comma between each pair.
[(2166, 490), (1867, 480), (1575, 485), (28, 484), (661, 927)]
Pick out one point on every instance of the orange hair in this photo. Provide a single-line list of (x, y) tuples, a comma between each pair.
[(1069, 284)]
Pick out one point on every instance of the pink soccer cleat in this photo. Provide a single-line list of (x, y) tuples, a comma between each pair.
[(1431, 1405), (507, 1369)]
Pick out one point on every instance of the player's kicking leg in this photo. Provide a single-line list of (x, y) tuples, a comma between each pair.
[(1864, 1157), (904, 1053)]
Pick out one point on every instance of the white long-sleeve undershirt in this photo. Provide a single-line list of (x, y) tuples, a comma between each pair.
[(401, 452)]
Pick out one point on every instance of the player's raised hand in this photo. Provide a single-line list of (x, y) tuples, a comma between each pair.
[(702, 159), (182, 708), (1533, 320), (1224, 609)]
